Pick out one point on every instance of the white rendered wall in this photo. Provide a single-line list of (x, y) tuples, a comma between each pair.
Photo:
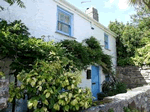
[(40, 16)]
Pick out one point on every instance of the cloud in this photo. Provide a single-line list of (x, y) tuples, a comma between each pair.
[(123, 4), (109, 3)]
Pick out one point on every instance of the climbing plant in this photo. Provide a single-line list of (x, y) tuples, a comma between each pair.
[(89, 52), (42, 66)]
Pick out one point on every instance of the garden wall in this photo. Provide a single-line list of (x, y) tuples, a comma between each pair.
[(138, 98), (134, 76), (3, 93)]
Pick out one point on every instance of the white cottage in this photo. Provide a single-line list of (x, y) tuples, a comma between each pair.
[(58, 20)]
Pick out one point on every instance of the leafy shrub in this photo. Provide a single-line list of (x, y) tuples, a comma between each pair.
[(121, 87), (101, 96), (142, 55), (111, 110), (126, 109), (51, 88), (112, 88), (48, 72), (89, 52)]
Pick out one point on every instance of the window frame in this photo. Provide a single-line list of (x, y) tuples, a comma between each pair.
[(106, 41), (65, 12)]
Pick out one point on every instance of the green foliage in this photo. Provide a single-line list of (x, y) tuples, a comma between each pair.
[(51, 88), (49, 72), (111, 110), (2, 75), (11, 2), (133, 38), (112, 88), (89, 52), (142, 56), (122, 54), (126, 109), (22, 49), (140, 3), (101, 96)]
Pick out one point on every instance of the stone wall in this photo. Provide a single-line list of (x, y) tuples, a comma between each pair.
[(138, 98), (3, 93), (134, 76)]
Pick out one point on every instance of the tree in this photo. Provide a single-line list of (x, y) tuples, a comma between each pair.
[(140, 3), (11, 2), (123, 54), (132, 40)]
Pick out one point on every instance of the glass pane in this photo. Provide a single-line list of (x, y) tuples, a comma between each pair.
[(106, 45), (59, 26), (65, 28), (61, 17), (106, 38), (67, 19)]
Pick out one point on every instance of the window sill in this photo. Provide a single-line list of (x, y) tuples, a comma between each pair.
[(105, 48), (65, 35)]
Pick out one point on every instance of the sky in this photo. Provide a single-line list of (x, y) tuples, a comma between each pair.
[(109, 10)]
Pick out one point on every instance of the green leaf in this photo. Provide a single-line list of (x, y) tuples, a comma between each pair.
[(33, 83), (77, 107), (30, 105), (47, 95), (66, 108), (35, 102), (40, 88), (56, 107), (45, 102), (74, 102), (70, 95), (22, 86)]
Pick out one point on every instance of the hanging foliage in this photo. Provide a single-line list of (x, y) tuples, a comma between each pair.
[(49, 72), (89, 52)]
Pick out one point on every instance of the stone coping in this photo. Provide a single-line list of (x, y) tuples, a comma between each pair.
[(139, 97)]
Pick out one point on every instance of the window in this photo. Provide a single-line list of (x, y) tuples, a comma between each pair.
[(88, 73), (64, 22), (106, 41)]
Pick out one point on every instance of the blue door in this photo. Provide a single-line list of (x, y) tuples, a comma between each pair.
[(95, 81)]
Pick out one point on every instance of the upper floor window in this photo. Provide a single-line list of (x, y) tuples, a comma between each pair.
[(106, 41), (64, 22)]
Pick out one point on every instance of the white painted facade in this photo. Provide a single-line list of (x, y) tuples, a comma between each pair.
[(40, 16)]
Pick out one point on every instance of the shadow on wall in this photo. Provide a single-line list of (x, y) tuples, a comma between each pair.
[(133, 76)]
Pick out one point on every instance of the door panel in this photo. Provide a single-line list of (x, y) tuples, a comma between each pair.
[(95, 81)]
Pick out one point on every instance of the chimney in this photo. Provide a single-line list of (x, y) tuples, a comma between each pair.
[(93, 13)]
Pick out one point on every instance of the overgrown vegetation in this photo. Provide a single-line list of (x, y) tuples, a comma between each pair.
[(133, 39), (51, 88), (89, 52), (111, 88), (49, 72), (126, 109)]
